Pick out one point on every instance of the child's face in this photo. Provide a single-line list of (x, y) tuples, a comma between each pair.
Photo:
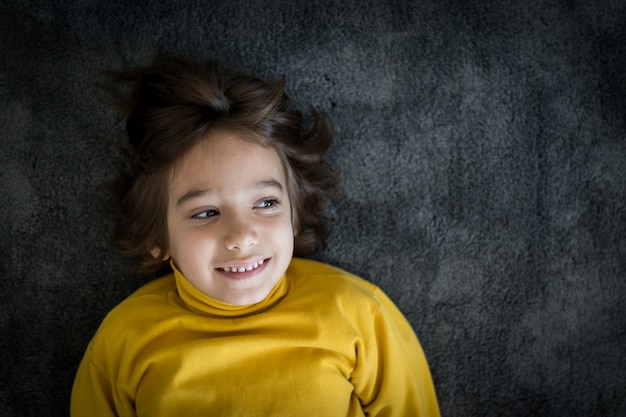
[(228, 211)]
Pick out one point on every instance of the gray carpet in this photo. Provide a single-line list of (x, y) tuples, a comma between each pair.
[(482, 147)]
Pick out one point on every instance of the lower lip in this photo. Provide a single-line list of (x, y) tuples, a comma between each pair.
[(240, 276)]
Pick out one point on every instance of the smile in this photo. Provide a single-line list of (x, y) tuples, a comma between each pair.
[(247, 268)]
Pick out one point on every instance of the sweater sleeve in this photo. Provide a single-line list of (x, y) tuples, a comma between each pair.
[(392, 378), (94, 394)]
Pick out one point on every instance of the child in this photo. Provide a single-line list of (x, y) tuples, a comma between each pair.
[(225, 189)]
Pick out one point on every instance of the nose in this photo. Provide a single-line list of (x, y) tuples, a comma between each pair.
[(239, 234)]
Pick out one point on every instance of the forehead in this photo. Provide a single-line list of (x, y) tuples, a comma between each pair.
[(226, 160)]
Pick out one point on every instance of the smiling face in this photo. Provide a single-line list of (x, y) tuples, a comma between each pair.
[(229, 219)]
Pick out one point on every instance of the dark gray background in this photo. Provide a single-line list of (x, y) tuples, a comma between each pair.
[(482, 149)]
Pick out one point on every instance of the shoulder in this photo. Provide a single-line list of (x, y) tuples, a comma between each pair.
[(156, 291), (157, 287), (309, 269), (131, 312), (327, 279)]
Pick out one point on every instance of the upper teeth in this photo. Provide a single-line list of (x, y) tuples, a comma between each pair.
[(243, 269)]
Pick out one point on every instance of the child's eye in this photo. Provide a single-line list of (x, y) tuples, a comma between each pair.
[(267, 203), (205, 214)]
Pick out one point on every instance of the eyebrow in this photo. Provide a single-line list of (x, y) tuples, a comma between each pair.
[(194, 194), (191, 195)]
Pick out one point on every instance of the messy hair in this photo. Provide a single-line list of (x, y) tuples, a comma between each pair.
[(171, 105)]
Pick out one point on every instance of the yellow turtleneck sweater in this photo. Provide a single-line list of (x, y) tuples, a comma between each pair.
[(323, 343)]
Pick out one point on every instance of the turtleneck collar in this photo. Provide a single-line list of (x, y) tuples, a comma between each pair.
[(201, 303)]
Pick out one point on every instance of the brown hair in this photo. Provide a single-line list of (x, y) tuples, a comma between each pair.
[(172, 105)]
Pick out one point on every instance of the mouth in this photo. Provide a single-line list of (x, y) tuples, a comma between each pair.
[(243, 268)]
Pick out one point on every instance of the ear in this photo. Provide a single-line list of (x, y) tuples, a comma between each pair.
[(157, 253)]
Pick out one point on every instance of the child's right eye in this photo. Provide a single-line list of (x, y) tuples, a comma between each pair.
[(205, 214)]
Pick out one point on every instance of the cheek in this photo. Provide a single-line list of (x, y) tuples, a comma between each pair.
[(278, 228), (183, 242), (286, 234)]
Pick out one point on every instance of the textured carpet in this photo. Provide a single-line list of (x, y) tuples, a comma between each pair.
[(482, 147)]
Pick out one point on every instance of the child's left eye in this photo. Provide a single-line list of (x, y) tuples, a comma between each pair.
[(268, 203)]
